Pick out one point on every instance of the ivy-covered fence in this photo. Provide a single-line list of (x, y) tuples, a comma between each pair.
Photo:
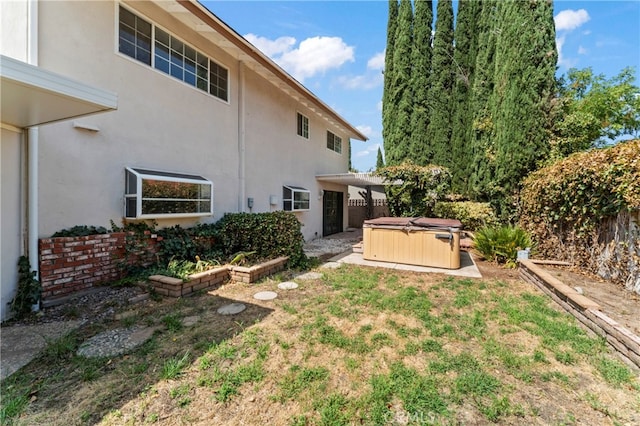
[(584, 209)]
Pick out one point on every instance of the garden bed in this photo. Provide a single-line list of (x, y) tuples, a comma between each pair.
[(588, 312), (213, 278)]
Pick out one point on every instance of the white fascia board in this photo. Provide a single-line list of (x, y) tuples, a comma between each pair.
[(20, 80)]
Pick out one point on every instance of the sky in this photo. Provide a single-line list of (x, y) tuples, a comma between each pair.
[(336, 49)]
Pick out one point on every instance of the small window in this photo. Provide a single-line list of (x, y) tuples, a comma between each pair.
[(303, 126), (295, 198), (134, 37), (154, 194), (334, 143)]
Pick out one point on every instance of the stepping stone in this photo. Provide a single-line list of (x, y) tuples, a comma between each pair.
[(115, 342), (231, 309), (310, 276), (287, 285), (331, 265), (189, 321), (265, 295)]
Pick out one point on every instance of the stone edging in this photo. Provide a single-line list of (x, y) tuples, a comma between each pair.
[(626, 343), (212, 278)]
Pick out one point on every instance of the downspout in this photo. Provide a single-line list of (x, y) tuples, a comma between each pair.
[(32, 148), (241, 138)]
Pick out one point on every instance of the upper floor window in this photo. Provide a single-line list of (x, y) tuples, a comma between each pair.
[(156, 194), (334, 142), (134, 36), (170, 55), (303, 126)]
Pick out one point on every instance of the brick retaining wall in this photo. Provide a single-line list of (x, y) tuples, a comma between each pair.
[(71, 264)]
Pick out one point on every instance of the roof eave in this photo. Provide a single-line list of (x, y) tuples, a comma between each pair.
[(207, 17)]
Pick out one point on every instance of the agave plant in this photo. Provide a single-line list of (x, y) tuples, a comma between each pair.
[(501, 244)]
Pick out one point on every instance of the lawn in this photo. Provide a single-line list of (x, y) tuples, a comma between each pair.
[(356, 346)]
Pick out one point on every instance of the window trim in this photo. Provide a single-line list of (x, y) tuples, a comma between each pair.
[(334, 138), (154, 25), (298, 130), (292, 200), (158, 175)]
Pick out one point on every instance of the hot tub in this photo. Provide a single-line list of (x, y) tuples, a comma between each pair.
[(413, 241)]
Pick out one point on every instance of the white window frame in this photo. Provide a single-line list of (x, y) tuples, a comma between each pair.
[(305, 125), (210, 62), (334, 141), (293, 203), (140, 175)]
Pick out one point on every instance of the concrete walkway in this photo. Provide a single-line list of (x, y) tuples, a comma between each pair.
[(21, 343)]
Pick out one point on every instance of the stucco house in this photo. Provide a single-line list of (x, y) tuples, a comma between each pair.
[(193, 122)]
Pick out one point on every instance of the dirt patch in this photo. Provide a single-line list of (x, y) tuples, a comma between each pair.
[(618, 303)]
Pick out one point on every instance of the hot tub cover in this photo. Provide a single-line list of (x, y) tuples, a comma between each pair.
[(423, 222)]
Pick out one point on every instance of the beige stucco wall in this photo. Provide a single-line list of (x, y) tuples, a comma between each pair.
[(164, 124), (13, 31), (161, 123), (10, 217), (277, 156)]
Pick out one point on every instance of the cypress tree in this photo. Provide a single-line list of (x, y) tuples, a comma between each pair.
[(401, 90), (439, 130), (388, 104), (421, 150), (481, 130), (464, 58), (525, 60), (379, 160)]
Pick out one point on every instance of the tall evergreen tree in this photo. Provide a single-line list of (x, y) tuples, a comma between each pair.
[(464, 61), (388, 103), (481, 129), (439, 130), (421, 151), (401, 90), (525, 60), (379, 160)]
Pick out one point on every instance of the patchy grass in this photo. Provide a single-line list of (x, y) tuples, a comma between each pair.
[(358, 346)]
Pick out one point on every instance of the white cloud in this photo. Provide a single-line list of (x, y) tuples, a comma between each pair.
[(364, 82), (569, 19), (563, 61), (582, 50), (312, 56), (379, 106), (315, 55), (373, 149), (365, 130), (271, 47), (376, 62)]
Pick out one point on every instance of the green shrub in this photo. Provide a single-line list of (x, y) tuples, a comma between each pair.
[(81, 231), (270, 235), (501, 244), (189, 243), (417, 190), (473, 215)]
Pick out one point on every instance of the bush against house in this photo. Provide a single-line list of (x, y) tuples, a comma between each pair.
[(581, 208), (270, 235)]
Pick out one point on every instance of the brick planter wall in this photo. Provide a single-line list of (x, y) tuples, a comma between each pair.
[(207, 280), (71, 264), (254, 273)]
